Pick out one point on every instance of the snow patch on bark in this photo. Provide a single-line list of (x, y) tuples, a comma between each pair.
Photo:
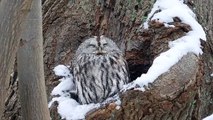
[(164, 11), (209, 117)]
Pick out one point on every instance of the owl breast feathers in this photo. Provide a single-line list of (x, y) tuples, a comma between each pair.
[(99, 70)]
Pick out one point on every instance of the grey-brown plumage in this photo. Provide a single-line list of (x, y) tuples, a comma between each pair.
[(100, 70)]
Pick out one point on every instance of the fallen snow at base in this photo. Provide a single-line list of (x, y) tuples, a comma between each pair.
[(209, 117), (68, 108), (179, 47)]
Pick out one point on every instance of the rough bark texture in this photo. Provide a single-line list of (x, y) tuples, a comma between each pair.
[(183, 93), (13, 108), (204, 12)]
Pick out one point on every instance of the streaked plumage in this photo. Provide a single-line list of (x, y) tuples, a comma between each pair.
[(100, 70)]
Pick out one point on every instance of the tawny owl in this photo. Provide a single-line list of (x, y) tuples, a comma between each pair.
[(100, 70)]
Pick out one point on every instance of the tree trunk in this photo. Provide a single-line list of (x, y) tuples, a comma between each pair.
[(204, 13), (30, 67), (11, 16), (67, 23)]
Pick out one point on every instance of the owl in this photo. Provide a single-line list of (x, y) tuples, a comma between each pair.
[(99, 70)]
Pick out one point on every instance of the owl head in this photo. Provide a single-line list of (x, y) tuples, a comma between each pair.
[(97, 46)]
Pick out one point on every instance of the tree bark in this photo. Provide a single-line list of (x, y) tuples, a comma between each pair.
[(204, 13), (32, 91), (11, 16)]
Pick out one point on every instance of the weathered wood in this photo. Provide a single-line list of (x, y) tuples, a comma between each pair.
[(204, 11), (11, 15), (30, 67)]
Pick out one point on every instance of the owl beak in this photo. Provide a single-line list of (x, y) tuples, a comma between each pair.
[(101, 52)]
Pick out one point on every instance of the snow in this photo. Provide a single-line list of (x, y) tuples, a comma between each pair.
[(209, 117), (211, 75), (66, 83), (179, 47), (61, 70), (118, 107), (68, 108)]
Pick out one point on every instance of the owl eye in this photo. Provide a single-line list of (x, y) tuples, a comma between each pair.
[(91, 45), (105, 44)]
